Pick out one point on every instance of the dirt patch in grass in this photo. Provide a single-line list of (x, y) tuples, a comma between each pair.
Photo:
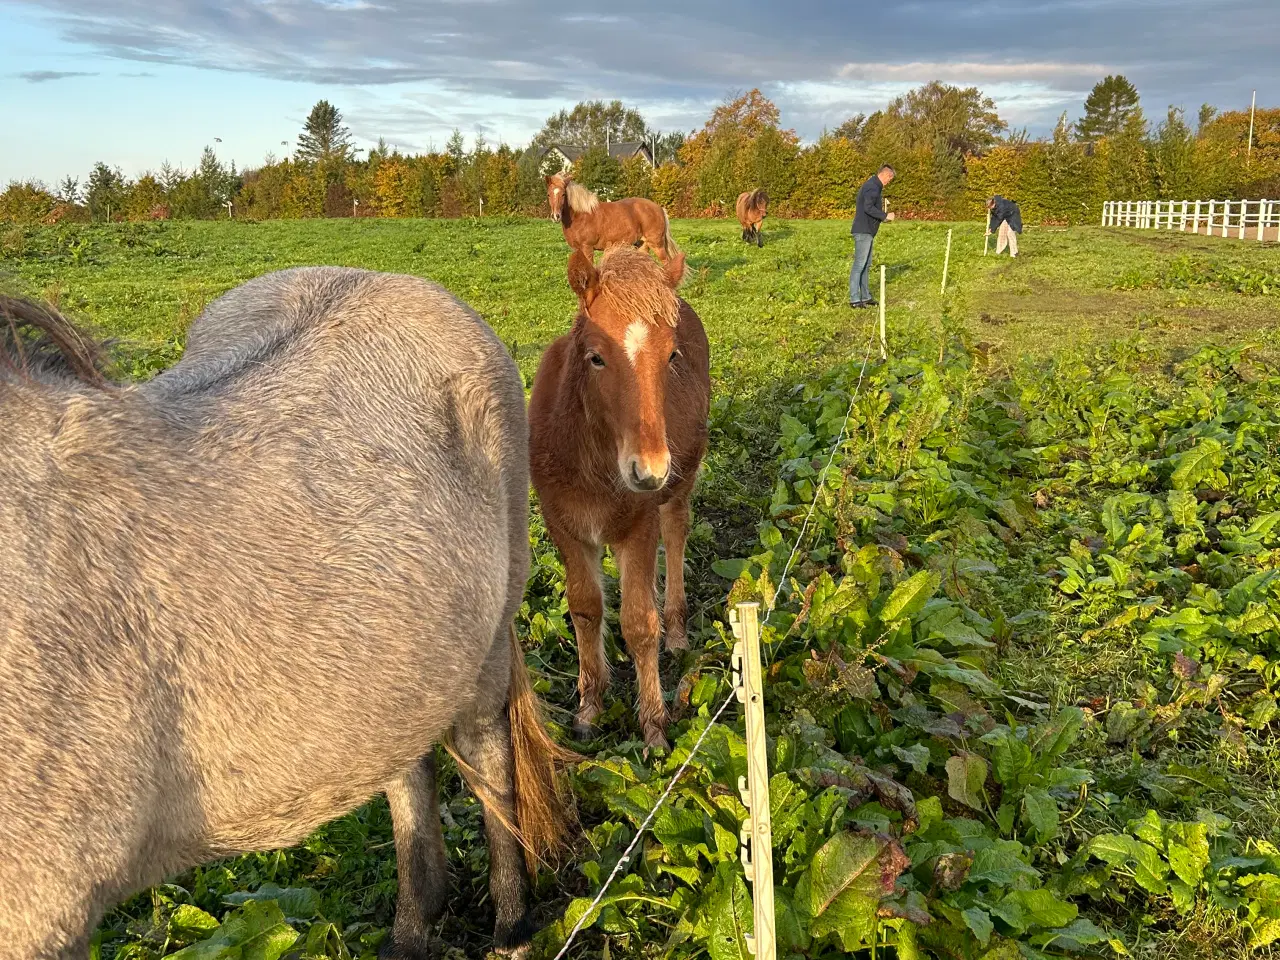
[(1042, 319)]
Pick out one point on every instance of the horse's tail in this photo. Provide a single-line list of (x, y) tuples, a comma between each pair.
[(543, 811), (668, 244)]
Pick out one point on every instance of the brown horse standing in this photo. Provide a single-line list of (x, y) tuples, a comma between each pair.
[(618, 427), (752, 207), (590, 224)]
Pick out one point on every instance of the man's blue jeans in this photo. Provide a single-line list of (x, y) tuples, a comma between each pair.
[(860, 275)]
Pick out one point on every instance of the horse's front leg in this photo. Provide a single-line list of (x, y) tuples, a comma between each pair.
[(638, 563), (675, 609), (586, 608)]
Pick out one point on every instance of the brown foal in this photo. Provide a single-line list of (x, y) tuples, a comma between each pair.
[(617, 430), (591, 224)]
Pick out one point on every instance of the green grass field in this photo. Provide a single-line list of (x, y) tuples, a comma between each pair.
[(1027, 664)]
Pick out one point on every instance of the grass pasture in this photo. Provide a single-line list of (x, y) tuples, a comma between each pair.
[(1022, 680)]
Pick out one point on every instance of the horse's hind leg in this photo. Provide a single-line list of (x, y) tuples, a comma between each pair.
[(759, 236), (420, 861), (675, 610), (483, 740)]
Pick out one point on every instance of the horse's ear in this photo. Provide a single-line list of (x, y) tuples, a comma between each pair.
[(584, 279), (675, 270)]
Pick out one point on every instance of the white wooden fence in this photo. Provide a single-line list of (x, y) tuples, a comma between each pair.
[(1253, 219)]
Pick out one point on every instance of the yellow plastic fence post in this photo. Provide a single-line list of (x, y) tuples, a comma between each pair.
[(757, 832), (884, 346), (946, 262)]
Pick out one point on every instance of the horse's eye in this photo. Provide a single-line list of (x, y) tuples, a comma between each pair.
[(596, 360), (674, 354)]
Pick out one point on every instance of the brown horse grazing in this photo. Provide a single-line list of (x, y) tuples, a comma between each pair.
[(618, 427), (752, 207), (590, 224)]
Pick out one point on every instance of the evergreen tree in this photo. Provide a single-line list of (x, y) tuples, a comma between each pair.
[(1173, 155), (456, 149), (104, 193), (1108, 107), (170, 176), (324, 140), (68, 190), (1207, 114)]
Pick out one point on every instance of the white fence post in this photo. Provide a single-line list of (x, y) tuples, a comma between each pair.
[(756, 837), (1183, 227), (1244, 206), (1197, 227)]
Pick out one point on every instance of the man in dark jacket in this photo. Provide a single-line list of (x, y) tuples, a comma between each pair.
[(868, 215), (1006, 219)]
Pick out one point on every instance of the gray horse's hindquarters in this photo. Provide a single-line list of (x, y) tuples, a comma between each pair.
[(293, 552)]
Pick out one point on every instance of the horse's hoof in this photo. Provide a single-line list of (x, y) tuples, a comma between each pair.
[(515, 943), (677, 640), (655, 738), (583, 731), (393, 949)]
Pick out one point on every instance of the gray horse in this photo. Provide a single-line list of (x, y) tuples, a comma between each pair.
[(242, 598)]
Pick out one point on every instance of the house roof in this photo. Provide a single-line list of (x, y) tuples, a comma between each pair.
[(618, 149)]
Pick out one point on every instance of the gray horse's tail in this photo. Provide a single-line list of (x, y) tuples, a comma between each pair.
[(544, 812)]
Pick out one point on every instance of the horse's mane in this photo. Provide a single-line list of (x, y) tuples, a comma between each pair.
[(38, 341), (581, 200), (638, 286), (757, 197)]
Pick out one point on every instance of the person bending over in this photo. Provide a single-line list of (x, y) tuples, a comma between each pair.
[(1006, 218)]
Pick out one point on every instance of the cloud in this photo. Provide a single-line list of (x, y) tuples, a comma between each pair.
[(972, 71), (822, 56), (45, 76)]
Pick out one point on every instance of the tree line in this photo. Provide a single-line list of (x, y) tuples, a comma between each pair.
[(949, 145)]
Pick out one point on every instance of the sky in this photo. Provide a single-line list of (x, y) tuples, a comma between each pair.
[(138, 82)]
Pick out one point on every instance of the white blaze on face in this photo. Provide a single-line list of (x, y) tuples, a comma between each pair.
[(637, 334)]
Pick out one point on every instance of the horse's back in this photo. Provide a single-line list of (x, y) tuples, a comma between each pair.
[(372, 434)]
